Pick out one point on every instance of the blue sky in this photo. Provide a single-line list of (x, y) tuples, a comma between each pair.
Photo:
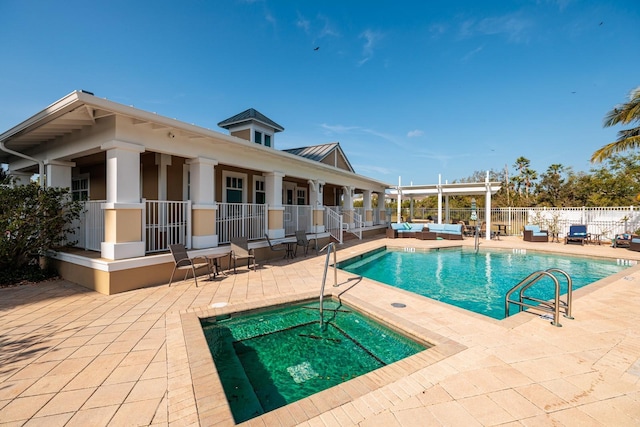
[(409, 88)]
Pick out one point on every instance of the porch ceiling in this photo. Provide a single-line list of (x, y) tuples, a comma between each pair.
[(61, 124)]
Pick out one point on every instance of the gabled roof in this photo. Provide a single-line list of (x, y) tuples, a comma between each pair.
[(248, 116), (320, 152)]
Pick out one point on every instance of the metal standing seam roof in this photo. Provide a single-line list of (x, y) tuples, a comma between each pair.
[(247, 116), (319, 152)]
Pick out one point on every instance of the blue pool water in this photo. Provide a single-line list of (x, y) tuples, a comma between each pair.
[(474, 281)]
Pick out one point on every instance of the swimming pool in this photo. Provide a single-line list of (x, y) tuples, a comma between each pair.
[(474, 281), (269, 359)]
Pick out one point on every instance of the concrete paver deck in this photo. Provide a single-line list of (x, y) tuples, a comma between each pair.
[(70, 356)]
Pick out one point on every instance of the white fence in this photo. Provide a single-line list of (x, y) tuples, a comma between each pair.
[(607, 221), (333, 223)]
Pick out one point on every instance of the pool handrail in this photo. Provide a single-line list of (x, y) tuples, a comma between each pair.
[(330, 248), (543, 305)]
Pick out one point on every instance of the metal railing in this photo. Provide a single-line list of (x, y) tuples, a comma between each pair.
[(333, 224), (166, 223), (241, 220), (298, 217), (89, 226)]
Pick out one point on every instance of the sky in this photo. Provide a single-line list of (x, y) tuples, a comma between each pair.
[(412, 90)]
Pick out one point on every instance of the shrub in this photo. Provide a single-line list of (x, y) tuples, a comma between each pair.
[(33, 221)]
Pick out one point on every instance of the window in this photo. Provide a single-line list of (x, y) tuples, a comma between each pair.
[(233, 187), (260, 194), (267, 140), (301, 196), (80, 187), (257, 137)]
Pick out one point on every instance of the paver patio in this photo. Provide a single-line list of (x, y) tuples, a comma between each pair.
[(73, 357)]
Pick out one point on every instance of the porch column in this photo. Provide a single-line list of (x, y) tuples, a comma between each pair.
[(382, 210), (203, 210), (368, 211), (162, 161), (487, 207), (123, 210), (275, 213), (58, 173), (347, 205), (315, 199), (439, 200)]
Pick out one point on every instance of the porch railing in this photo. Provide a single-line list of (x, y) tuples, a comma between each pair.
[(333, 223), (89, 226), (166, 223), (241, 219), (298, 217)]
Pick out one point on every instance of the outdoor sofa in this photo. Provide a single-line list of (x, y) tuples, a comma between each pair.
[(634, 245), (532, 233), (409, 229)]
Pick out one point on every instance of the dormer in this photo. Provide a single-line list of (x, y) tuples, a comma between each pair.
[(252, 126)]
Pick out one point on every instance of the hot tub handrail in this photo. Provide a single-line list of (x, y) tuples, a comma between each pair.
[(330, 248)]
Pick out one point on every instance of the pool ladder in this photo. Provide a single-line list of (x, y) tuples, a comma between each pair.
[(331, 248), (554, 307)]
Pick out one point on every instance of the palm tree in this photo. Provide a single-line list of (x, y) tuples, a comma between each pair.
[(626, 113)]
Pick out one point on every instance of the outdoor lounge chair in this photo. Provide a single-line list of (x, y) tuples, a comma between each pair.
[(532, 233), (277, 247), (577, 233), (182, 261), (635, 243), (622, 240), (239, 251), (301, 240)]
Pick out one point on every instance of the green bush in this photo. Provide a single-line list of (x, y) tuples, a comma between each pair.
[(33, 221)]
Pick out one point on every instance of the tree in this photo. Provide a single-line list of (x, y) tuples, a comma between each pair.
[(33, 220), (626, 113), (550, 186)]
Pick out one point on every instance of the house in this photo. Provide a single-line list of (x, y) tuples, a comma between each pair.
[(148, 181)]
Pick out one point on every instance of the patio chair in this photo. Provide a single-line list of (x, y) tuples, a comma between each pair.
[(277, 247), (239, 251), (532, 233), (577, 233), (301, 240), (182, 261)]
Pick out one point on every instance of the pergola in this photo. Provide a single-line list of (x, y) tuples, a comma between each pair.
[(444, 191)]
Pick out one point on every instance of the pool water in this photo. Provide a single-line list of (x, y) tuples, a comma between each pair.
[(270, 359), (475, 281)]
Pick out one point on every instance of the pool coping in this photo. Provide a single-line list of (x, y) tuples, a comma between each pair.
[(211, 401)]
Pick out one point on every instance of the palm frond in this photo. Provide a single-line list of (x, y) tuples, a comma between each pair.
[(618, 146)]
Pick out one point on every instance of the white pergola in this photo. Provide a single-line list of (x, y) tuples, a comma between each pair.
[(444, 191)]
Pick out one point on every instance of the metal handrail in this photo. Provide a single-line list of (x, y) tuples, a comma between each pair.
[(542, 305), (330, 248)]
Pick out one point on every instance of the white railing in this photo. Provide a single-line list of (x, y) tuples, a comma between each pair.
[(89, 226), (607, 221), (333, 223), (298, 217), (166, 223), (241, 219), (352, 223)]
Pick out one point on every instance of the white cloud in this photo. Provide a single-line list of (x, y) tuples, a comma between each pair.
[(472, 53), (512, 26), (415, 133), (303, 23), (372, 38)]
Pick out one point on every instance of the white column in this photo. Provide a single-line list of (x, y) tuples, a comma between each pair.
[(439, 199), (123, 208), (487, 207), (315, 200), (202, 172), (273, 190), (368, 211), (58, 173), (347, 205), (399, 207)]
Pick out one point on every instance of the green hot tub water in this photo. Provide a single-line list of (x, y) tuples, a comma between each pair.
[(269, 359)]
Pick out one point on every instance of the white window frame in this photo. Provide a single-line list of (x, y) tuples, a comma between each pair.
[(81, 177), (256, 180), (230, 174), (304, 192)]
